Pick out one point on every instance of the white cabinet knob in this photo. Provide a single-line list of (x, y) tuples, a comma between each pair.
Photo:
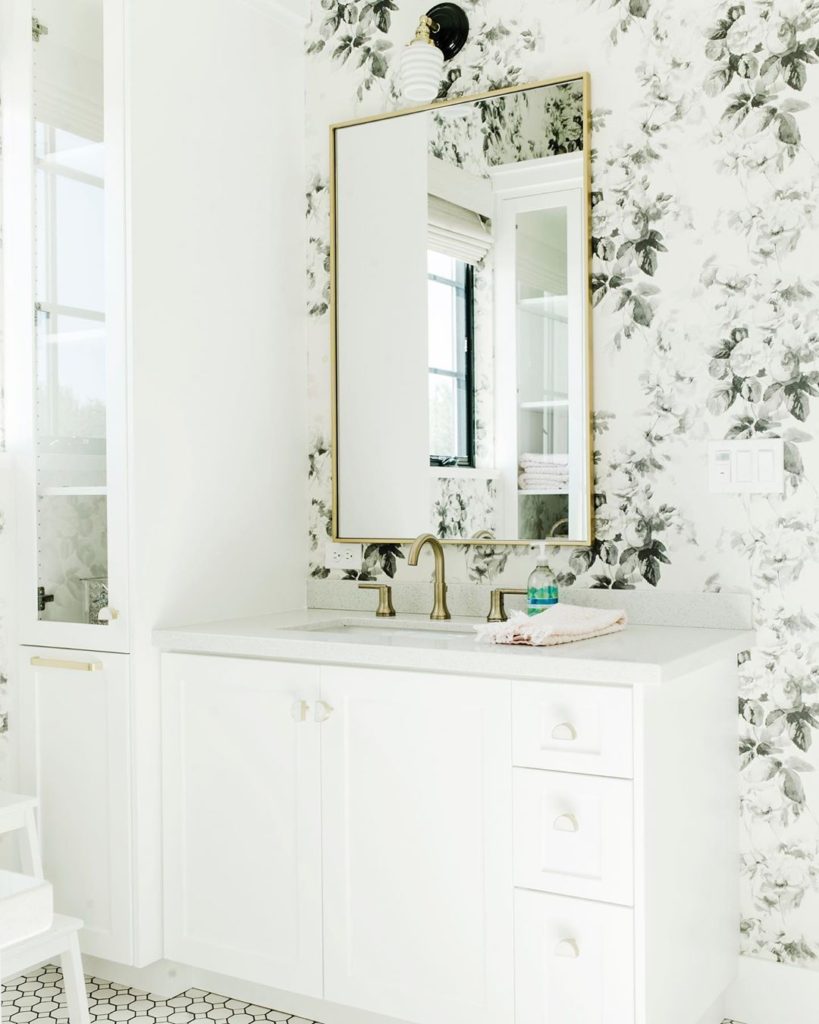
[(568, 948), (566, 823), (299, 711), (564, 731), (107, 614), (323, 711)]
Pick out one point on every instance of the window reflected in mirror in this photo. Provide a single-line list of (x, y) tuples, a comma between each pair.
[(450, 314)]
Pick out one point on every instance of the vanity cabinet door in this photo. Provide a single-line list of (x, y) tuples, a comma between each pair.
[(75, 756), (416, 804), (242, 806)]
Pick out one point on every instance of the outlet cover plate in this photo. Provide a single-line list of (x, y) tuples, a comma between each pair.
[(347, 557)]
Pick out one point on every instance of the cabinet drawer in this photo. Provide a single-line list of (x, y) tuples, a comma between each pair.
[(574, 835), (570, 727), (574, 961)]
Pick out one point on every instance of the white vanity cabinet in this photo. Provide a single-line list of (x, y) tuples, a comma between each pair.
[(491, 848), (406, 836)]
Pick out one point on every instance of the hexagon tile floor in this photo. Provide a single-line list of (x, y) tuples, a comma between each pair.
[(37, 998)]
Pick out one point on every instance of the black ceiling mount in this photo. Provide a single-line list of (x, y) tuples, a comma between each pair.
[(453, 28)]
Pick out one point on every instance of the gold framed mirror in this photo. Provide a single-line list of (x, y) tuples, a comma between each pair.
[(461, 319)]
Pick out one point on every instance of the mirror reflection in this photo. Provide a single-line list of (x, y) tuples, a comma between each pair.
[(461, 319)]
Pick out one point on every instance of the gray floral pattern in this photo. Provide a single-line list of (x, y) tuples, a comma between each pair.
[(461, 508), (706, 325)]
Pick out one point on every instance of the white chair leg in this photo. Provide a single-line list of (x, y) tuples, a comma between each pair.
[(30, 852), (75, 994)]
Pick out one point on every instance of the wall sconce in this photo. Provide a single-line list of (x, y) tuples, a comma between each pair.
[(441, 34)]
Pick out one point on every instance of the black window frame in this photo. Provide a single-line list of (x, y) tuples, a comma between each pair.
[(466, 375)]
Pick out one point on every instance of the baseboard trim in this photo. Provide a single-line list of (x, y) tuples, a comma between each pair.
[(770, 993), (166, 979), (162, 979), (763, 993)]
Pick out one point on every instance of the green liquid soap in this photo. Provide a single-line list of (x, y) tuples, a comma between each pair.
[(542, 587)]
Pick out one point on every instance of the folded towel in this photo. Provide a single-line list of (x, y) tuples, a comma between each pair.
[(543, 459), (560, 624), (543, 482), (562, 474)]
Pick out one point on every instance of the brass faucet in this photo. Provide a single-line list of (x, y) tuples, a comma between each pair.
[(439, 608), (385, 605), (497, 609)]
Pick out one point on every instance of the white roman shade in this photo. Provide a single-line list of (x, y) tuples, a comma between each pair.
[(457, 232)]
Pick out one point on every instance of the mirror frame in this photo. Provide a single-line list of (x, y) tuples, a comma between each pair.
[(583, 77)]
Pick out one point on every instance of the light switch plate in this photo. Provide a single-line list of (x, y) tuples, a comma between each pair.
[(748, 466), (343, 556)]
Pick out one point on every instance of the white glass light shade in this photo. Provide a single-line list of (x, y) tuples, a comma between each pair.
[(420, 72)]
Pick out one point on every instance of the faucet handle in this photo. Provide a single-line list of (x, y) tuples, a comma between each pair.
[(497, 611), (385, 606)]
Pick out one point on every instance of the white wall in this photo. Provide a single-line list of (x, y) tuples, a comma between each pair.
[(216, 288), (216, 166)]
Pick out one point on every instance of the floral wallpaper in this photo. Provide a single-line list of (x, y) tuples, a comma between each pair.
[(706, 325)]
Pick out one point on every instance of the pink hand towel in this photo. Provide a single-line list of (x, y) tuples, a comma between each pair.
[(560, 624)]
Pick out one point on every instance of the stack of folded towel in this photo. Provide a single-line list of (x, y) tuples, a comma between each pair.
[(539, 472), (560, 624)]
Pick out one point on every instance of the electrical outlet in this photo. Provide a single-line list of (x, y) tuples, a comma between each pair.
[(346, 557)]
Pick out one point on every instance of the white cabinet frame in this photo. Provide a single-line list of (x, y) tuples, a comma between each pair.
[(17, 88)]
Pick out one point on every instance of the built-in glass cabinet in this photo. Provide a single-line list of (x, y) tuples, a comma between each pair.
[(69, 279), (75, 361), (541, 263)]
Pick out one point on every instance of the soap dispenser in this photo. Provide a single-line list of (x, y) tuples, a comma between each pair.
[(542, 588)]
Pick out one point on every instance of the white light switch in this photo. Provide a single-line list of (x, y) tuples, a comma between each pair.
[(766, 467), (744, 465), (747, 467)]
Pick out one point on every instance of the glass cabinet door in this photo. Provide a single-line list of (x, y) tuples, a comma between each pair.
[(543, 372), (70, 312)]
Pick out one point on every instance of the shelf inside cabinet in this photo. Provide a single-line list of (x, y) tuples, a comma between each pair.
[(83, 163), (72, 492), (525, 491), (547, 403), (552, 307)]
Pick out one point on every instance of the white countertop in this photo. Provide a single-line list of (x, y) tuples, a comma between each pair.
[(637, 655)]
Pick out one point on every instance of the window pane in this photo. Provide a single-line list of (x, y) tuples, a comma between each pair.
[(442, 326), (443, 415), (440, 265)]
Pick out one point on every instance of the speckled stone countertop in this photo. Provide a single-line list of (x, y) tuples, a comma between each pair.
[(639, 654)]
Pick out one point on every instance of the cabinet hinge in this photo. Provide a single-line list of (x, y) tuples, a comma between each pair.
[(38, 29), (43, 599)]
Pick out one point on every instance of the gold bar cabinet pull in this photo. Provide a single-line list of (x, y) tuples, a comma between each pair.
[(72, 666)]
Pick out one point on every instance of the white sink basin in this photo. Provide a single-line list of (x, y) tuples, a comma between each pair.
[(26, 907), (387, 630)]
